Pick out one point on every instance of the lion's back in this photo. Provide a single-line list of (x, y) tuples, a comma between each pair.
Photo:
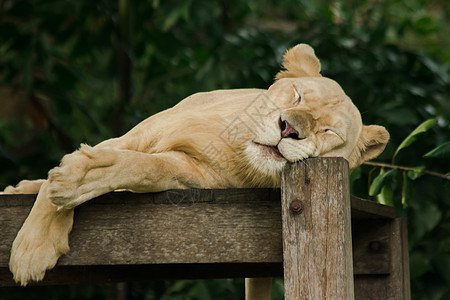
[(218, 99)]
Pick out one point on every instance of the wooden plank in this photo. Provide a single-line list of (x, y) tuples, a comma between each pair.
[(259, 288), (371, 287), (398, 280), (235, 226), (175, 227), (195, 226), (317, 247), (366, 209), (371, 246), (395, 283)]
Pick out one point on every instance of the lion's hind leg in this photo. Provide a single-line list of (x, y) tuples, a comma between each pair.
[(24, 187)]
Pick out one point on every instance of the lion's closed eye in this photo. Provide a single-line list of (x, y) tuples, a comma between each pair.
[(331, 131), (297, 96)]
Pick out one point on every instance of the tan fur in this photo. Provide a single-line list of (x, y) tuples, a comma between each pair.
[(24, 187), (300, 61), (219, 139)]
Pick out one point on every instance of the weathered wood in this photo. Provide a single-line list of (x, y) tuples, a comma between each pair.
[(371, 244), (395, 283), (258, 288), (366, 209), (114, 227), (317, 248), (399, 284), (371, 287), (202, 234), (194, 226), (118, 217)]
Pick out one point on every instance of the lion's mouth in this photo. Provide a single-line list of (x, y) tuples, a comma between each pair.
[(271, 151)]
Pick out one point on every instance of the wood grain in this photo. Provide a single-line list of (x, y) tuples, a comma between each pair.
[(214, 234), (125, 221), (317, 247), (127, 228), (395, 283), (371, 243)]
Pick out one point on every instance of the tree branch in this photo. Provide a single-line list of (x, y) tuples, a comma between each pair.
[(383, 165)]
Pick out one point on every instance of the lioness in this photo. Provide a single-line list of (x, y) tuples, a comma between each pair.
[(221, 139)]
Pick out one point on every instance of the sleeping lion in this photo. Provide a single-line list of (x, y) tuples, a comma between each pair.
[(239, 138)]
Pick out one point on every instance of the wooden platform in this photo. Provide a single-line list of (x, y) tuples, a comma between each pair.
[(205, 234)]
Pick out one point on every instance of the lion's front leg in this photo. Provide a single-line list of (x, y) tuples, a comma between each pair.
[(42, 239), (81, 176), (93, 171)]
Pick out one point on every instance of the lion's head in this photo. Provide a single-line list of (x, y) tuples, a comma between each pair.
[(312, 116)]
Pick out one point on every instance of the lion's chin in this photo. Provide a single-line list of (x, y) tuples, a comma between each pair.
[(270, 152), (264, 158)]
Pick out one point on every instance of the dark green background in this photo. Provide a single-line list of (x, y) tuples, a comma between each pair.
[(83, 71)]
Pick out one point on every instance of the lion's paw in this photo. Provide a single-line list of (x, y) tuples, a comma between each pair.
[(78, 177), (32, 254), (24, 187)]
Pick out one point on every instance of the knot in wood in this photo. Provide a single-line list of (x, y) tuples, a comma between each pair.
[(296, 207), (375, 246)]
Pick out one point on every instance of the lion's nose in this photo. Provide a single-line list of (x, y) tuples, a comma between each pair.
[(287, 130)]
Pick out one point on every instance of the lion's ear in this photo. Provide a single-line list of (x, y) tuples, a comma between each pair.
[(300, 61), (372, 141)]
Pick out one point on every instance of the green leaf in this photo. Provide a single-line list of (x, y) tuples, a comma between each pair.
[(441, 151), (379, 181), (406, 189), (416, 172), (386, 196), (411, 138)]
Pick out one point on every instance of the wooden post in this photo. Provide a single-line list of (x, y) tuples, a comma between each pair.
[(317, 242), (399, 284)]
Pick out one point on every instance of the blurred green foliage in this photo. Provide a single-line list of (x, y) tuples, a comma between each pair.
[(83, 71)]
